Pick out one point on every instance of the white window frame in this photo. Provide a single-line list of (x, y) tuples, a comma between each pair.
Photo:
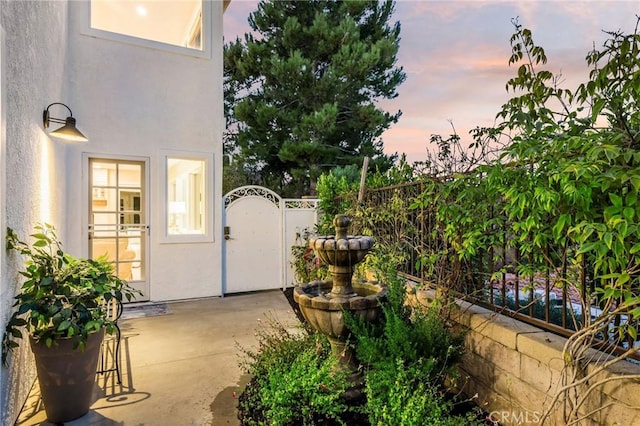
[(208, 190), (206, 36)]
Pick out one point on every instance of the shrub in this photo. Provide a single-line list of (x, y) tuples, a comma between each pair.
[(294, 383), (339, 182), (306, 264), (407, 356), (307, 390), (408, 400)]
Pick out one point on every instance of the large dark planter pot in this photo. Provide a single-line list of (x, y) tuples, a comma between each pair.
[(67, 376)]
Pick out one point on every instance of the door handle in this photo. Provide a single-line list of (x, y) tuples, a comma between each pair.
[(227, 232)]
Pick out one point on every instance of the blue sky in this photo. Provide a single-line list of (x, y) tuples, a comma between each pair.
[(455, 54)]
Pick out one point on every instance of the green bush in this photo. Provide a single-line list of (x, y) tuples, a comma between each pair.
[(308, 389), (306, 264), (407, 356), (414, 336), (408, 400), (294, 379), (340, 182)]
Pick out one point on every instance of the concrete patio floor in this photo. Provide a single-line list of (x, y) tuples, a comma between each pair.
[(180, 368)]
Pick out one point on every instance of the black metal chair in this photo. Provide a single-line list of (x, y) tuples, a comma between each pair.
[(111, 343)]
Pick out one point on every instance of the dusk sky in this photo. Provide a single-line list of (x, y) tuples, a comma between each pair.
[(455, 54)]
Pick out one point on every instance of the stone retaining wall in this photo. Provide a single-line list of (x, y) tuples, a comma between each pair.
[(515, 369)]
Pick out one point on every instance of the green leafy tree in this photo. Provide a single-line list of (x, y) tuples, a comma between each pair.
[(301, 89)]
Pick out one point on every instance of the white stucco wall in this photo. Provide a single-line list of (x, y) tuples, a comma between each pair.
[(3, 166), (132, 100), (34, 73)]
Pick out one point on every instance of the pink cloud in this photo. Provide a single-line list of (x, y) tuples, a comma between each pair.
[(444, 11)]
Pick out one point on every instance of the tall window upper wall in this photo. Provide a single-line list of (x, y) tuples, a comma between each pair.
[(183, 26)]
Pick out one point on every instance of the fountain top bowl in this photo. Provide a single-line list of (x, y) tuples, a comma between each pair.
[(350, 242), (341, 241)]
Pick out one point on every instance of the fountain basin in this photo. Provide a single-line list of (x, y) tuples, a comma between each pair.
[(324, 310)]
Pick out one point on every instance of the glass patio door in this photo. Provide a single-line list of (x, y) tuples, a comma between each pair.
[(118, 218)]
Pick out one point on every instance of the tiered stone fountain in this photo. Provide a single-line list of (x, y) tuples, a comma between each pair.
[(323, 303)]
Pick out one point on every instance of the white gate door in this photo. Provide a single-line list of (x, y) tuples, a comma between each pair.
[(253, 240), (259, 228)]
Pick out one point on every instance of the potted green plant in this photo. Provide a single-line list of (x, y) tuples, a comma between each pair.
[(62, 306)]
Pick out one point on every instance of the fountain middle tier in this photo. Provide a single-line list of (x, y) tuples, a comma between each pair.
[(324, 309)]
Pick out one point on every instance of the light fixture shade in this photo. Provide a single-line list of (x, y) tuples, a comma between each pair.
[(69, 132)]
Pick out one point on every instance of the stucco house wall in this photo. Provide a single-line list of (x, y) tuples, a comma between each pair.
[(136, 100), (34, 69), (130, 101)]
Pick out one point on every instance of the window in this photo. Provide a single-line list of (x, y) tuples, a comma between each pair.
[(117, 226), (185, 194), (181, 23), (188, 206)]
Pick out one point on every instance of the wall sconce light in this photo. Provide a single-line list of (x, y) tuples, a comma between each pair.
[(68, 131)]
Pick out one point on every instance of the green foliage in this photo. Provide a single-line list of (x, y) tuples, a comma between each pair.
[(401, 172), (565, 188), (302, 89), (234, 176), (308, 389), (415, 337), (381, 261), (340, 182), (338, 190), (306, 264), (406, 355), (63, 296), (408, 401), (575, 183), (295, 379)]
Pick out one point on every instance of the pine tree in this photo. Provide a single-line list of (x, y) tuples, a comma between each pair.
[(301, 89)]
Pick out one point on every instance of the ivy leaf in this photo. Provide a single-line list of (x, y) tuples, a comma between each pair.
[(624, 278), (615, 199), (597, 107), (64, 325), (635, 313), (631, 330)]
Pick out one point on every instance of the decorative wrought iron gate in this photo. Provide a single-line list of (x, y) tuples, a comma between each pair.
[(260, 228)]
